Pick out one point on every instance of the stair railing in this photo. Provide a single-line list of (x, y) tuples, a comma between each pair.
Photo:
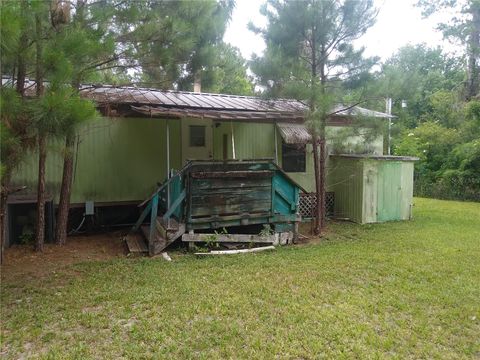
[(153, 200)]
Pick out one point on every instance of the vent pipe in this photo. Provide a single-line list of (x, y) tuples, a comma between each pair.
[(197, 82)]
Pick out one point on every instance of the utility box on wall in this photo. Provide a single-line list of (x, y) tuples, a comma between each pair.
[(372, 188)]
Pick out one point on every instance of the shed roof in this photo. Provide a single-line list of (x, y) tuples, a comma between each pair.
[(376, 157)]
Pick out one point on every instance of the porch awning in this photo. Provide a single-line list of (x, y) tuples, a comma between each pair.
[(294, 133)]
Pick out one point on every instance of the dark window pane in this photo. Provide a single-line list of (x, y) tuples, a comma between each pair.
[(197, 135), (293, 157)]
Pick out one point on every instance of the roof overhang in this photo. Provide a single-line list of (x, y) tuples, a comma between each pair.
[(219, 115), (294, 133)]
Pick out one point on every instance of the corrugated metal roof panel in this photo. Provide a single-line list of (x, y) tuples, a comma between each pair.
[(189, 99), (294, 133), (343, 110), (205, 101)]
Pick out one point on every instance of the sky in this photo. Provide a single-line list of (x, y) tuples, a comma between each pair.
[(399, 23)]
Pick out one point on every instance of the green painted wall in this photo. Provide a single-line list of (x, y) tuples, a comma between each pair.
[(122, 159), (368, 190), (395, 191), (118, 159), (346, 180)]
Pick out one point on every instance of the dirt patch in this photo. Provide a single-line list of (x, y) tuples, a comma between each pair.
[(306, 235), (22, 261)]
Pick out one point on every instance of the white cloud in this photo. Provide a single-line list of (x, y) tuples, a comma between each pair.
[(399, 23)]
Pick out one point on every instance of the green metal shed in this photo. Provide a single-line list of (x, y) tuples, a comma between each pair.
[(372, 188)]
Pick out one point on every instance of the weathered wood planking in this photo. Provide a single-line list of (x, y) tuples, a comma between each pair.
[(232, 174), (136, 244), (229, 183), (230, 192), (229, 238), (231, 199), (225, 209)]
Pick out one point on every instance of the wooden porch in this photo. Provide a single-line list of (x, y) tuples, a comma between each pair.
[(209, 195)]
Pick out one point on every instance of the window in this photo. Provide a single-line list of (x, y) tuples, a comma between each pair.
[(197, 135), (293, 157)]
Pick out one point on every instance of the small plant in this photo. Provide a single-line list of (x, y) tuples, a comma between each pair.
[(266, 231), (27, 238), (211, 239)]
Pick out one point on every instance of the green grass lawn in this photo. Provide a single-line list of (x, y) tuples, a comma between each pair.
[(396, 290)]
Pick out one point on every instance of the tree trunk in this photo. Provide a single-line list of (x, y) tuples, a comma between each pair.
[(3, 209), (65, 192), (22, 67), (42, 156), (42, 144), (21, 63), (323, 182), (473, 71), (318, 190)]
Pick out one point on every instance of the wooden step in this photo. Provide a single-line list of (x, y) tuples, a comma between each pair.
[(158, 244), (170, 230), (136, 244), (171, 225)]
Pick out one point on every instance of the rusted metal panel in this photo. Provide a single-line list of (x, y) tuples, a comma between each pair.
[(183, 99), (294, 133)]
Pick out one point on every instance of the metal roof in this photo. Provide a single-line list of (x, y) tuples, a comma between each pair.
[(357, 111), (294, 133), (162, 101), (161, 111), (184, 99), (377, 157)]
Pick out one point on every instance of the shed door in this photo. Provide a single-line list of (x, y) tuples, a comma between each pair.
[(197, 139), (389, 195)]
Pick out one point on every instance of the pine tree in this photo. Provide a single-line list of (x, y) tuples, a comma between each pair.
[(16, 138), (309, 54), (172, 41), (79, 51)]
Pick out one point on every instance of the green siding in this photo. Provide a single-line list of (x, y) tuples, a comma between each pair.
[(346, 179), (254, 141), (395, 190), (406, 204), (368, 190), (122, 159), (117, 160), (389, 191)]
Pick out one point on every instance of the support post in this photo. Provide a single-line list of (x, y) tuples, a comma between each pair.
[(233, 141), (276, 142), (388, 110), (153, 227), (168, 170)]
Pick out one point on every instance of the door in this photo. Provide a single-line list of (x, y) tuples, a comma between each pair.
[(389, 195), (197, 139)]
